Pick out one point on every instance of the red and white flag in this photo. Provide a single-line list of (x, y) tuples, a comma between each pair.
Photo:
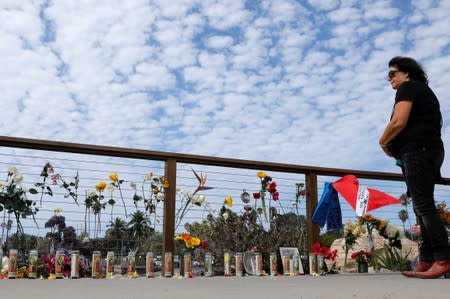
[(361, 198)]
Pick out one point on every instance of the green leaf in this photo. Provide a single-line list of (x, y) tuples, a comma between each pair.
[(33, 191)]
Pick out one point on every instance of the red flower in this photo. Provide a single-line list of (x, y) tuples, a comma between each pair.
[(316, 249), (362, 256), (272, 187), (333, 255), (256, 195), (204, 245), (275, 196), (325, 251)]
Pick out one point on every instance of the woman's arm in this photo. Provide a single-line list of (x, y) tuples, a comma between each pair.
[(396, 124)]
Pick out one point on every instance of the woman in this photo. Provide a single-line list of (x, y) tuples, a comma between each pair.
[(413, 137)]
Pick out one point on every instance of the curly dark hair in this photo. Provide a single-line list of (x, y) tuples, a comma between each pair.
[(411, 66)]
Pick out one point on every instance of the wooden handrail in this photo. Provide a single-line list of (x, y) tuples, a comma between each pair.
[(79, 148)]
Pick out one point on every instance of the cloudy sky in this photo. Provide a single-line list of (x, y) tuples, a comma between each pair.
[(287, 81)]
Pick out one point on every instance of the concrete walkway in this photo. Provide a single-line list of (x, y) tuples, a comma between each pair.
[(346, 286)]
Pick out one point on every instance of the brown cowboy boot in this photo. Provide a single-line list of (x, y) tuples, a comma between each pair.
[(438, 269), (422, 266)]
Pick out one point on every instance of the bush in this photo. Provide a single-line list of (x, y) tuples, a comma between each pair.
[(392, 259), (240, 233)]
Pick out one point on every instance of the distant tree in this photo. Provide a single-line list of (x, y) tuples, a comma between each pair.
[(117, 231), (139, 226), (60, 235)]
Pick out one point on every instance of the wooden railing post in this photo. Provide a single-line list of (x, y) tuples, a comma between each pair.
[(169, 211), (313, 230)]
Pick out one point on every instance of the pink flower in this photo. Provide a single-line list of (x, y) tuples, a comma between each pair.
[(415, 229), (54, 179)]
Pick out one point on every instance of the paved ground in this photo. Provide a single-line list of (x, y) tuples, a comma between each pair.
[(348, 286)]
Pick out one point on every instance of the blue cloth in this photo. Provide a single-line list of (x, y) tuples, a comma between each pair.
[(328, 210)]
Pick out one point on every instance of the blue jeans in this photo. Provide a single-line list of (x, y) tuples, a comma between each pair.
[(421, 170)]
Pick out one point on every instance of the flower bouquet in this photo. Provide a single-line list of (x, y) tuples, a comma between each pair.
[(190, 243), (362, 258), (325, 258)]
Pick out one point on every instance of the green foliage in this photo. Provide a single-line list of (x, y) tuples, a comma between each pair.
[(14, 200), (240, 233), (392, 259), (329, 237)]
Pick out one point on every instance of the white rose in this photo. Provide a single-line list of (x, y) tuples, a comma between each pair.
[(225, 215), (160, 196), (200, 199), (18, 178), (110, 188), (12, 170)]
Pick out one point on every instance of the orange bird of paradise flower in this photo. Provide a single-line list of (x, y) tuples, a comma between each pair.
[(201, 182)]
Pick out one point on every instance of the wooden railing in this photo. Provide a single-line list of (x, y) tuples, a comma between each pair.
[(171, 159)]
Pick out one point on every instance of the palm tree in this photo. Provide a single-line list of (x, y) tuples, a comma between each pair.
[(117, 230), (403, 215), (139, 225)]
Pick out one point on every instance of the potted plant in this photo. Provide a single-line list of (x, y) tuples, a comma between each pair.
[(362, 258)]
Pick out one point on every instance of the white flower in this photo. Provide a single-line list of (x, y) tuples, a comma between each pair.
[(160, 196), (18, 178), (91, 194), (225, 215), (12, 171), (148, 176), (110, 188), (2, 185), (85, 240), (199, 199), (293, 203)]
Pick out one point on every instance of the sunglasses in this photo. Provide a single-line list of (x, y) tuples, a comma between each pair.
[(392, 73)]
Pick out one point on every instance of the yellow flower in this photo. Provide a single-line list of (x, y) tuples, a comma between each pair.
[(228, 201), (261, 174), (114, 177), (110, 188), (369, 217), (165, 182), (58, 211), (381, 225), (100, 187)]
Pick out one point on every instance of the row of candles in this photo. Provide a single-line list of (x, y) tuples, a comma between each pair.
[(292, 265)]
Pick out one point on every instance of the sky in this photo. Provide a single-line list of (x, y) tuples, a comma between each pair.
[(301, 82)]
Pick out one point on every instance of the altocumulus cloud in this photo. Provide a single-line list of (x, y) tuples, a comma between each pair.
[(288, 81)]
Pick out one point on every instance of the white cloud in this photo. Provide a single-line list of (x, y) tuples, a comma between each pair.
[(219, 42)]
